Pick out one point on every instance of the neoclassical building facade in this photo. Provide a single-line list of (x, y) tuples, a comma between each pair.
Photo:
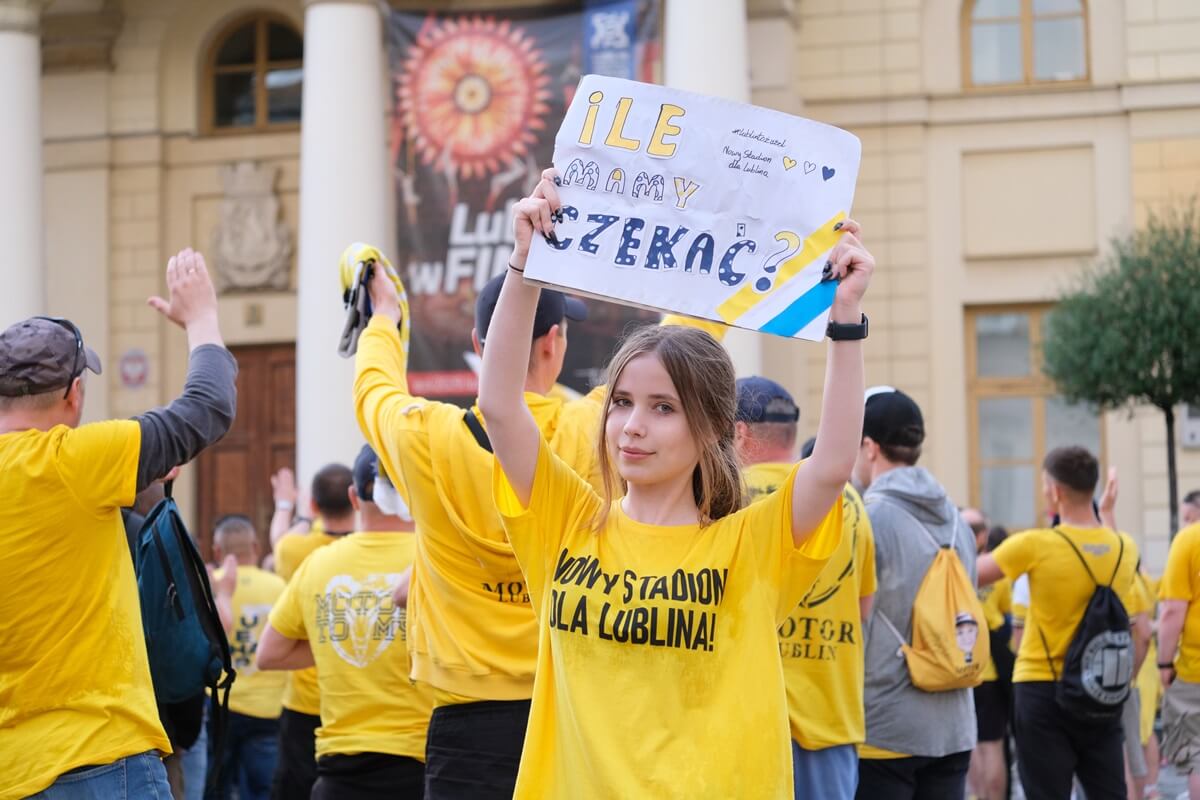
[(1004, 143)]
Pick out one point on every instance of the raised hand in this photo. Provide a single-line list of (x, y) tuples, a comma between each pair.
[(191, 301), (190, 294), (535, 213), (852, 265)]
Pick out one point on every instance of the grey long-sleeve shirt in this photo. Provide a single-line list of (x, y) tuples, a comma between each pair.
[(199, 417)]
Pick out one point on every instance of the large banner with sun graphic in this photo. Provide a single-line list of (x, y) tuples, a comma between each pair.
[(699, 206), (478, 98)]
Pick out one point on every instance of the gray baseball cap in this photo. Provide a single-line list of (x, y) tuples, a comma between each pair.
[(41, 354)]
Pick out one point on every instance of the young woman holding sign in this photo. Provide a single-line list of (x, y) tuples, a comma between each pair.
[(658, 671)]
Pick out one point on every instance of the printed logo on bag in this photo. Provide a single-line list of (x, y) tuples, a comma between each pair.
[(359, 619), (1108, 666), (966, 631)]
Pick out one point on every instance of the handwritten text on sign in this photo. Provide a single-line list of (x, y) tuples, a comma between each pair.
[(696, 205)]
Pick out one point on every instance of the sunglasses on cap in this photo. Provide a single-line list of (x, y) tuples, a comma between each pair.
[(78, 363)]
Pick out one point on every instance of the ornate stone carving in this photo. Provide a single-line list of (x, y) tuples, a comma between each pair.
[(251, 246)]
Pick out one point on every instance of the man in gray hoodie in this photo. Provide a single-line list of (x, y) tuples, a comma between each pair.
[(918, 743)]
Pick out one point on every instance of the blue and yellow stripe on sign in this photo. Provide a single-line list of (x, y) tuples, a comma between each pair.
[(805, 308)]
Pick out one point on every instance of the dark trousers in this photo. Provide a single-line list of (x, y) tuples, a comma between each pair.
[(247, 758), (368, 776), (1052, 747), (296, 770), (473, 750), (914, 778)]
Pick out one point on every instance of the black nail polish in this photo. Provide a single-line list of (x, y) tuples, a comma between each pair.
[(827, 272), (838, 227), (552, 239), (558, 181)]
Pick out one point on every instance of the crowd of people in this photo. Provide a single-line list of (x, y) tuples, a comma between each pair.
[(639, 593)]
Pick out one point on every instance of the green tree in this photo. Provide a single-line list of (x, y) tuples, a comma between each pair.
[(1129, 333)]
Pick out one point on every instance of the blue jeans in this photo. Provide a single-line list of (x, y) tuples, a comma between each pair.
[(195, 763), (830, 774), (248, 757), (130, 778)]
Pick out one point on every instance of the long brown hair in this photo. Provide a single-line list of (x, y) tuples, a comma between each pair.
[(702, 373)]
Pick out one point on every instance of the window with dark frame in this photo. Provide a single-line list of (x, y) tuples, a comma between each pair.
[(254, 76)]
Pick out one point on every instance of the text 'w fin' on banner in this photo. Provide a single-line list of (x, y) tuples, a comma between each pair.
[(699, 206)]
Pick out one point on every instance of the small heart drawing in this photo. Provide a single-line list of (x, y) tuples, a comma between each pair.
[(827, 172), (788, 162), (357, 616), (809, 167)]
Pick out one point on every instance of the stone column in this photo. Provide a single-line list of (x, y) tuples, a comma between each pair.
[(344, 181), (704, 50), (22, 265)]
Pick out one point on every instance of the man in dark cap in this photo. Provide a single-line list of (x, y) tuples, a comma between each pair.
[(77, 707), (918, 743)]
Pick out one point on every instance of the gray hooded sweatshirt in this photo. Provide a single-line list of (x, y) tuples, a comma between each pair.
[(901, 717)]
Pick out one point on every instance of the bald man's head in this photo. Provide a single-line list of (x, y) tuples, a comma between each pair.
[(235, 535)]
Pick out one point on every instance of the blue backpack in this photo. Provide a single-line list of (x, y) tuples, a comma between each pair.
[(185, 641)]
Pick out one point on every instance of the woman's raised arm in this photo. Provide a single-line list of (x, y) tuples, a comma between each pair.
[(819, 484), (514, 434)]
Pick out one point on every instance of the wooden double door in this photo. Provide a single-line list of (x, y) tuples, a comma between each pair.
[(234, 476)]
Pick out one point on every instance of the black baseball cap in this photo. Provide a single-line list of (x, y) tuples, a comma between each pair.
[(366, 470), (761, 399), (552, 307), (42, 354), (892, 418)]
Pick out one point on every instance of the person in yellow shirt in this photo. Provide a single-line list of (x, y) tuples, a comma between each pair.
[(337, 614), (296, 769), (256, 699), (1179, 655), (1064, 565), (821, 641), (658, 668), (987, 776), (1150, 692), (77, 707), (472, 633)]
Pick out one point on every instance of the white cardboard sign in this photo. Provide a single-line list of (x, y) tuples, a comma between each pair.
[(698, 206)]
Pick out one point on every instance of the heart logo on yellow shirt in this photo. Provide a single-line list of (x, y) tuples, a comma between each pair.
[(359, 617)]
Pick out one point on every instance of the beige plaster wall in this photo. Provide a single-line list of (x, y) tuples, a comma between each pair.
[(1160, 39)]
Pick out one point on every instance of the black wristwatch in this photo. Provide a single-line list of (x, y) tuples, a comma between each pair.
[(1166, 666), (846, 331)]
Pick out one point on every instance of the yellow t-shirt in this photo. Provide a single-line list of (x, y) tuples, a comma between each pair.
[(75, 683), (1060, 588), (300, 694), (1148, 683), (1181, 581), (254, 693), (471, 630), (997, 605), (340, 600), (821, 640), (658, 669)]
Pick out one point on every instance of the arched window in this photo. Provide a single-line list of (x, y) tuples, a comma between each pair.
[(253, 76), (1017, 42)]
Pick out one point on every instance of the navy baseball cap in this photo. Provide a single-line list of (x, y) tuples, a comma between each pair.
[(761, 399), (892, 418), (552, 307)]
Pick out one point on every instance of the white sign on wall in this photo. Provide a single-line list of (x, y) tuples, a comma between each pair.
[(699, 206)]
